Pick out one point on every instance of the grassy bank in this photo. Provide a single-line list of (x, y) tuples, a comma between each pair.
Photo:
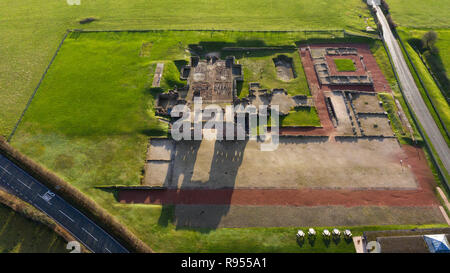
[(21, 235), (434, 92)]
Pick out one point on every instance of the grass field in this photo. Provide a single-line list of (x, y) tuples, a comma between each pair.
[(421, 14), (21, 235), (345, 65), (259, 67), (439, 62), (30, 36), (301, 116), (433, 90)]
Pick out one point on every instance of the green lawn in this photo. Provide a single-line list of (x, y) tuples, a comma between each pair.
[(31, 30), (433, 90), (18, 234), (439, 61), (344, 65), (301, 116), (259, 67), (420, 13)]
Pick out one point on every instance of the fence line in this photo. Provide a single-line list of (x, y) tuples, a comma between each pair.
[(37, 87)]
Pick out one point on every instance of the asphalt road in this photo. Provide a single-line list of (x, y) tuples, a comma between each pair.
[(412, 94), (20, 183)]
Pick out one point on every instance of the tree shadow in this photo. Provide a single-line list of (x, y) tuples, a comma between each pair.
[(203, 216)]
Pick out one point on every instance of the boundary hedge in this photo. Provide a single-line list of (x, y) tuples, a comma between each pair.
[(30, 212)]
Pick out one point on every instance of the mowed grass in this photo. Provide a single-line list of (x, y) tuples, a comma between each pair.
[(259, 67), (31, 30), (18, 234), (301, 116), (420, 13), (344, 65)]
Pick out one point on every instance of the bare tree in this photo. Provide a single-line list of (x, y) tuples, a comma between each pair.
[(429, 39), (391, 22), (385, 5)]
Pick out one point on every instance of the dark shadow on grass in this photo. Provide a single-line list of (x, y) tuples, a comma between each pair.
[(227, 158), (110, 190), (434, 61), (300, 242), (326, 242), (180, 63)]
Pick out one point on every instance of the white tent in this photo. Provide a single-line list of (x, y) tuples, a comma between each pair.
[(437, 243)]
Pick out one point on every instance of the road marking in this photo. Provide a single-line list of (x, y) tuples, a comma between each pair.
[(89, 233), (108, 250), (23, 183), (5, 170), (67, 216), (38, 207)]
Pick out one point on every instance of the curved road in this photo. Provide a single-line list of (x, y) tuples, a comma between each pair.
[(412, 94), (21, 184)]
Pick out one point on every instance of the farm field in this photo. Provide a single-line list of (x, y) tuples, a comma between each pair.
[(421, 14), (30, 36), (21, 235)]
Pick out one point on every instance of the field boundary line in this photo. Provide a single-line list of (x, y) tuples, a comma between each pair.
[(38, 85), (212, 30)]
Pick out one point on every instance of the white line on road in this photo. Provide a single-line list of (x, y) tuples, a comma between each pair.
[(108, 250), (23, 183), (89, 233), (5, 170), (38, 207), (66, 216)]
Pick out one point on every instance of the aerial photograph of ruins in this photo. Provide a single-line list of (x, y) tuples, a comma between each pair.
[(182, 126)]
